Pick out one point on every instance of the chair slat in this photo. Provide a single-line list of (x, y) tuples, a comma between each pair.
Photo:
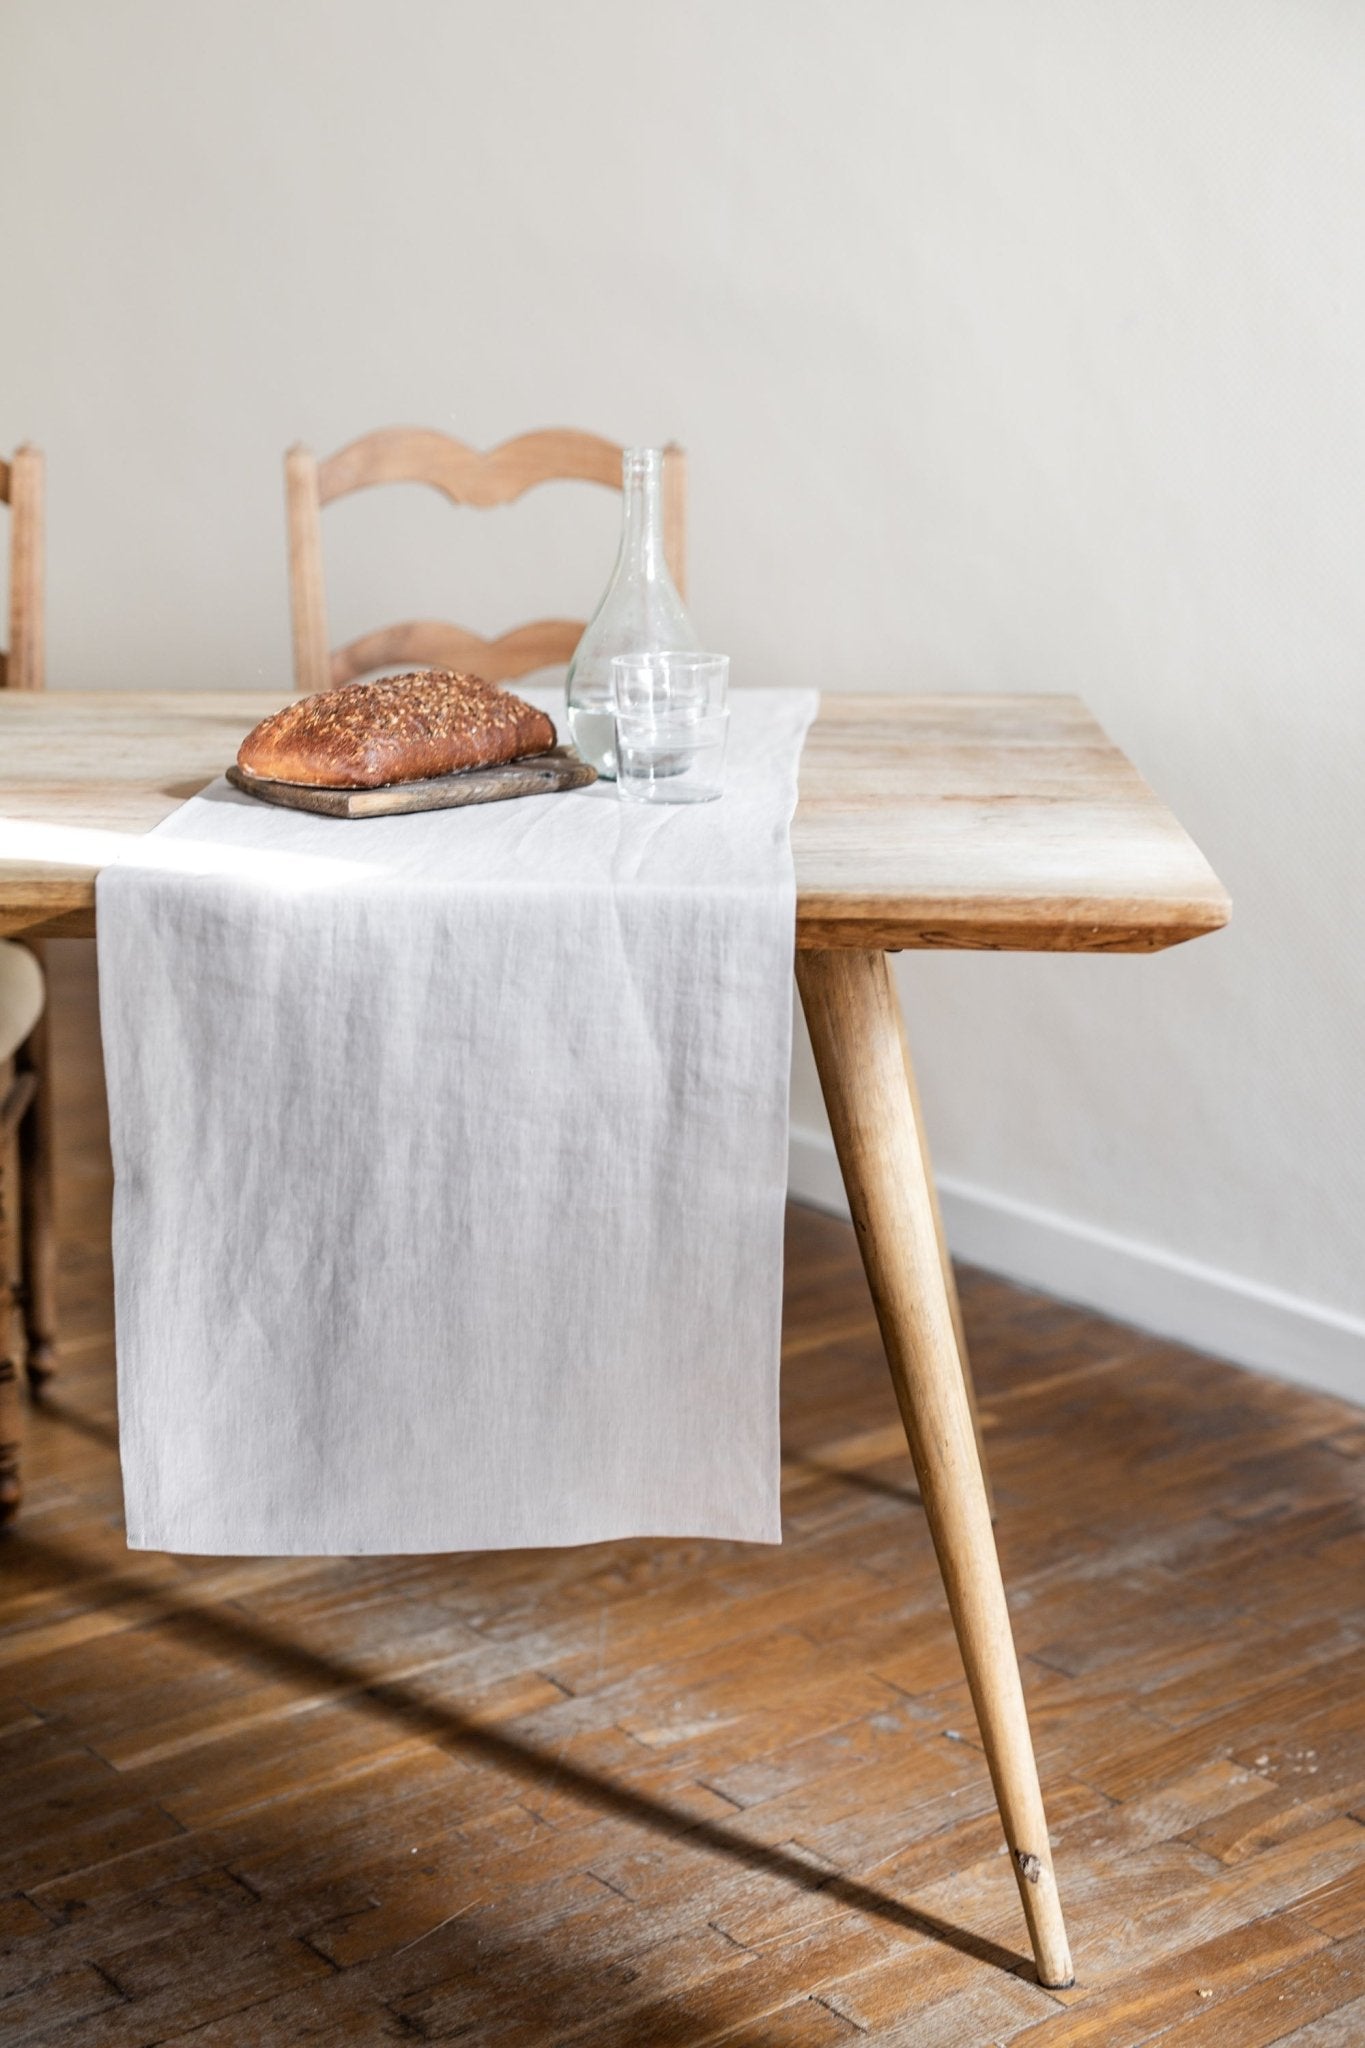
[(431, 643), (469, 476)]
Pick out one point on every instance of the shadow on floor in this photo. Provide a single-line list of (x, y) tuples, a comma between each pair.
[(864, 1482), (229, 1635), (53, 1409)]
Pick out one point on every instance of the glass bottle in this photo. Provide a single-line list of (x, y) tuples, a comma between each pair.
[(640, 613)]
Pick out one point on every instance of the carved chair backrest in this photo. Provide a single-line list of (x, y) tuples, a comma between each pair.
[(467, 476)]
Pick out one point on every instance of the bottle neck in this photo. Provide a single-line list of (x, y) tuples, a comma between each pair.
[(642, 514)]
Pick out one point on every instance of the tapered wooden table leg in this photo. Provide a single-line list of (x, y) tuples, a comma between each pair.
[(856, 1031), (949, 1277)]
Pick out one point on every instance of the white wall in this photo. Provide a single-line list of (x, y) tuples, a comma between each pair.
[(1017, 347)]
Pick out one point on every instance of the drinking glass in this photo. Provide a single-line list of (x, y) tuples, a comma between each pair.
[(674, 758), (670, 683)]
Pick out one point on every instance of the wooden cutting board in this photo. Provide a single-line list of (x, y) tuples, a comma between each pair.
[(537, 775)]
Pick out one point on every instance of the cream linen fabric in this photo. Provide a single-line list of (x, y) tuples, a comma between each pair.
[(22, 994), (450, 1155)]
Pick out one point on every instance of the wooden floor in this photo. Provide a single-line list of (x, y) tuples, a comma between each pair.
[(681, 1793)]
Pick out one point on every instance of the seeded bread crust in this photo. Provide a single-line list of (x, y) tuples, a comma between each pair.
[(400, 729)]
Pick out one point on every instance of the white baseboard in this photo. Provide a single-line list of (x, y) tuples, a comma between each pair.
[(1139, 1283)]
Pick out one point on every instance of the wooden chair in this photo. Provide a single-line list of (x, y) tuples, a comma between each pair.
[(25, 1092), (467, 476)]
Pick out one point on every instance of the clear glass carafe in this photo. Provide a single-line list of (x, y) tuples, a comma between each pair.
[(640, 613)]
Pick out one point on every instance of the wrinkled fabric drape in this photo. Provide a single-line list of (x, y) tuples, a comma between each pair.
[(450, 1159)]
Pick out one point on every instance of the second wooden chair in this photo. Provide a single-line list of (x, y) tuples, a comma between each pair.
[(25, 1093)]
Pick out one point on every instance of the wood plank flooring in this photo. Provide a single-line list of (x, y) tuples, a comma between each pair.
[(681, 1793)]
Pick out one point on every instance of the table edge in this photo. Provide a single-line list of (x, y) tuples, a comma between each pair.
[(822, 923)]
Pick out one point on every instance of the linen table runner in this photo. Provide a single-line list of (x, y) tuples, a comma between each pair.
[(450, 1158)]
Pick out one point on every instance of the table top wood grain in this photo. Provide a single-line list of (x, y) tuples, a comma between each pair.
[(996, 822)]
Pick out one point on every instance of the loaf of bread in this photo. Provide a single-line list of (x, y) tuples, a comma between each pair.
[(400, 729)]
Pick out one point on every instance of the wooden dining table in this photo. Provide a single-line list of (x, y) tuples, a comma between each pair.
[(995, 823)]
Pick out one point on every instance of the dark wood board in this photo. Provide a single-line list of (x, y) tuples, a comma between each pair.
[(537, 775)]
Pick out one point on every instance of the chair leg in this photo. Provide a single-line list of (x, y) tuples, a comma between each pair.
[(11, 1405), (857, 1034), (38, 1236)]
